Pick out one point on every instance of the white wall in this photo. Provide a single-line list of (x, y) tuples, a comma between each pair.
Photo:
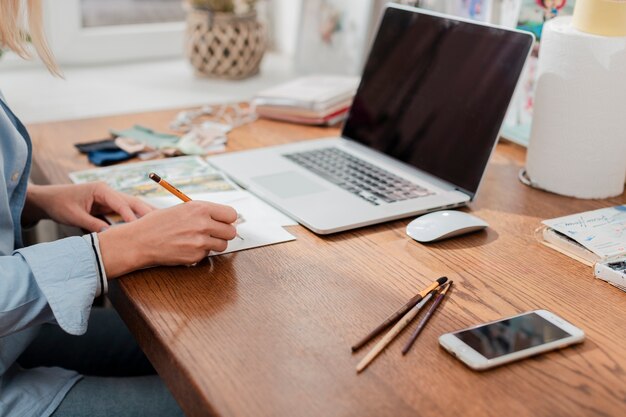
[(287, 21)]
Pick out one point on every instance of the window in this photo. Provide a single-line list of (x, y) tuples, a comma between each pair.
[(130, 12), (98, 31)]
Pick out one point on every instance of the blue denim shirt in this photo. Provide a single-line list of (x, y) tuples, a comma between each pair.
[(46, 283)]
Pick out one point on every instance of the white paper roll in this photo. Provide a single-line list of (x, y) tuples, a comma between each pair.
[(578, 136)]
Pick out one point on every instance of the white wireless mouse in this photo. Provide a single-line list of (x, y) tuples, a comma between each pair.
[(442, 225)]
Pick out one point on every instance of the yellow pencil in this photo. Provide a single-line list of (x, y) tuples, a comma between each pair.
[(169, 187)]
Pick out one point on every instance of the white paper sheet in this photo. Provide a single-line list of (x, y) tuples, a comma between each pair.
[(262, 223), (254, 235)]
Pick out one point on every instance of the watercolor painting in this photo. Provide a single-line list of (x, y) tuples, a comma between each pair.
[(191, 175)]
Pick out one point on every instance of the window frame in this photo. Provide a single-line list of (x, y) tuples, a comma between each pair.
[(72, 43)]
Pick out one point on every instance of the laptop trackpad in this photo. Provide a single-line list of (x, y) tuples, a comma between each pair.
[(288, 184)]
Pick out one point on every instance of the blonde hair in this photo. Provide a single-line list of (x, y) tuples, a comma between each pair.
[(15, 35)]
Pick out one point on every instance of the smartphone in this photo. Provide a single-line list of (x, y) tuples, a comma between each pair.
[(506, 340), (613, 272)]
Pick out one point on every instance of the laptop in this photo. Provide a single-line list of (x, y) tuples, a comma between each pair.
[(423, 124)]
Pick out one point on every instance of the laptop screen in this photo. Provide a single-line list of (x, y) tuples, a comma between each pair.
[(434, 93)]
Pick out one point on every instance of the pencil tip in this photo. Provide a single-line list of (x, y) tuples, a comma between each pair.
[(154, 177)]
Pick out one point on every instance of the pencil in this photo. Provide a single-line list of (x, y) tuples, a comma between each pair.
[(399, 313), (391, 334), (439, 297), (169, 187)]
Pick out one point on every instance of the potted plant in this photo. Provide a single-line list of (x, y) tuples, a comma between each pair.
[(224, 38)]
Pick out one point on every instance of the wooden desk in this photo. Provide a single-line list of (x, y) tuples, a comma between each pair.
[(267, 332)]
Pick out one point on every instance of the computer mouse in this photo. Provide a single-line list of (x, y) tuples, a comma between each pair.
[(443, 224)]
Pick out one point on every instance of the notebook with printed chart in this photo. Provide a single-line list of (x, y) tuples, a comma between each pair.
[(424, 121)]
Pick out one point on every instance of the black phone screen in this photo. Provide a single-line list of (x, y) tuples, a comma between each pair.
[(511, 335)]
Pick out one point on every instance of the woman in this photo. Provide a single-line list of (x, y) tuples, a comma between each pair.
[(46, 290)]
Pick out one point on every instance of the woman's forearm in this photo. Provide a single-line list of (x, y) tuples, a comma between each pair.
[(32, 212)]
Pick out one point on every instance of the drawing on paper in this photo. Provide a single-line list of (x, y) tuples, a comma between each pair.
[(191, 175)]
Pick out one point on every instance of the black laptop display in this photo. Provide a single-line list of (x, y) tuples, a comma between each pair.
[(434, 93)]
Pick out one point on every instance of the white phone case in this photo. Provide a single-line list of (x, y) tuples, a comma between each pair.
[(613, 272), (476, 361)]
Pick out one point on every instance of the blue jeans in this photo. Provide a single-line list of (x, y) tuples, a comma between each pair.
[(119, 380)]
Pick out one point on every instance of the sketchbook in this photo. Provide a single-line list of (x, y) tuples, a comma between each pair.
[(591, 236)]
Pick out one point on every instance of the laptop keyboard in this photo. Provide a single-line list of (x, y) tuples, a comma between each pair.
[(371, 183)]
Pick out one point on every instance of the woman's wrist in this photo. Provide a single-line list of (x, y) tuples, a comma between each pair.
[(122, 250), (33, 211)]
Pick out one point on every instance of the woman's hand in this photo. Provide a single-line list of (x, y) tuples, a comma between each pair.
[(179, 235), (77, 205)]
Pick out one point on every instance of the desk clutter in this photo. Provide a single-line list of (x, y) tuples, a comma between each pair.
[(196, 180), (201, 131), (145, 143), (313, 100)]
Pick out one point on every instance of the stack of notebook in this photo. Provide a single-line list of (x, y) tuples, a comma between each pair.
[(313, 100), (589, 237), (595, 238)]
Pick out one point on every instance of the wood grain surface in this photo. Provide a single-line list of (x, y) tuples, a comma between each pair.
[(267, 332)]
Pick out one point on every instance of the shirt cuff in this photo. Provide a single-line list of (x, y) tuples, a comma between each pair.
[(94, 243), (66, 272)]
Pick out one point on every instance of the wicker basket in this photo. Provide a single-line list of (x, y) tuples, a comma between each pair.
[(224, 45)]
